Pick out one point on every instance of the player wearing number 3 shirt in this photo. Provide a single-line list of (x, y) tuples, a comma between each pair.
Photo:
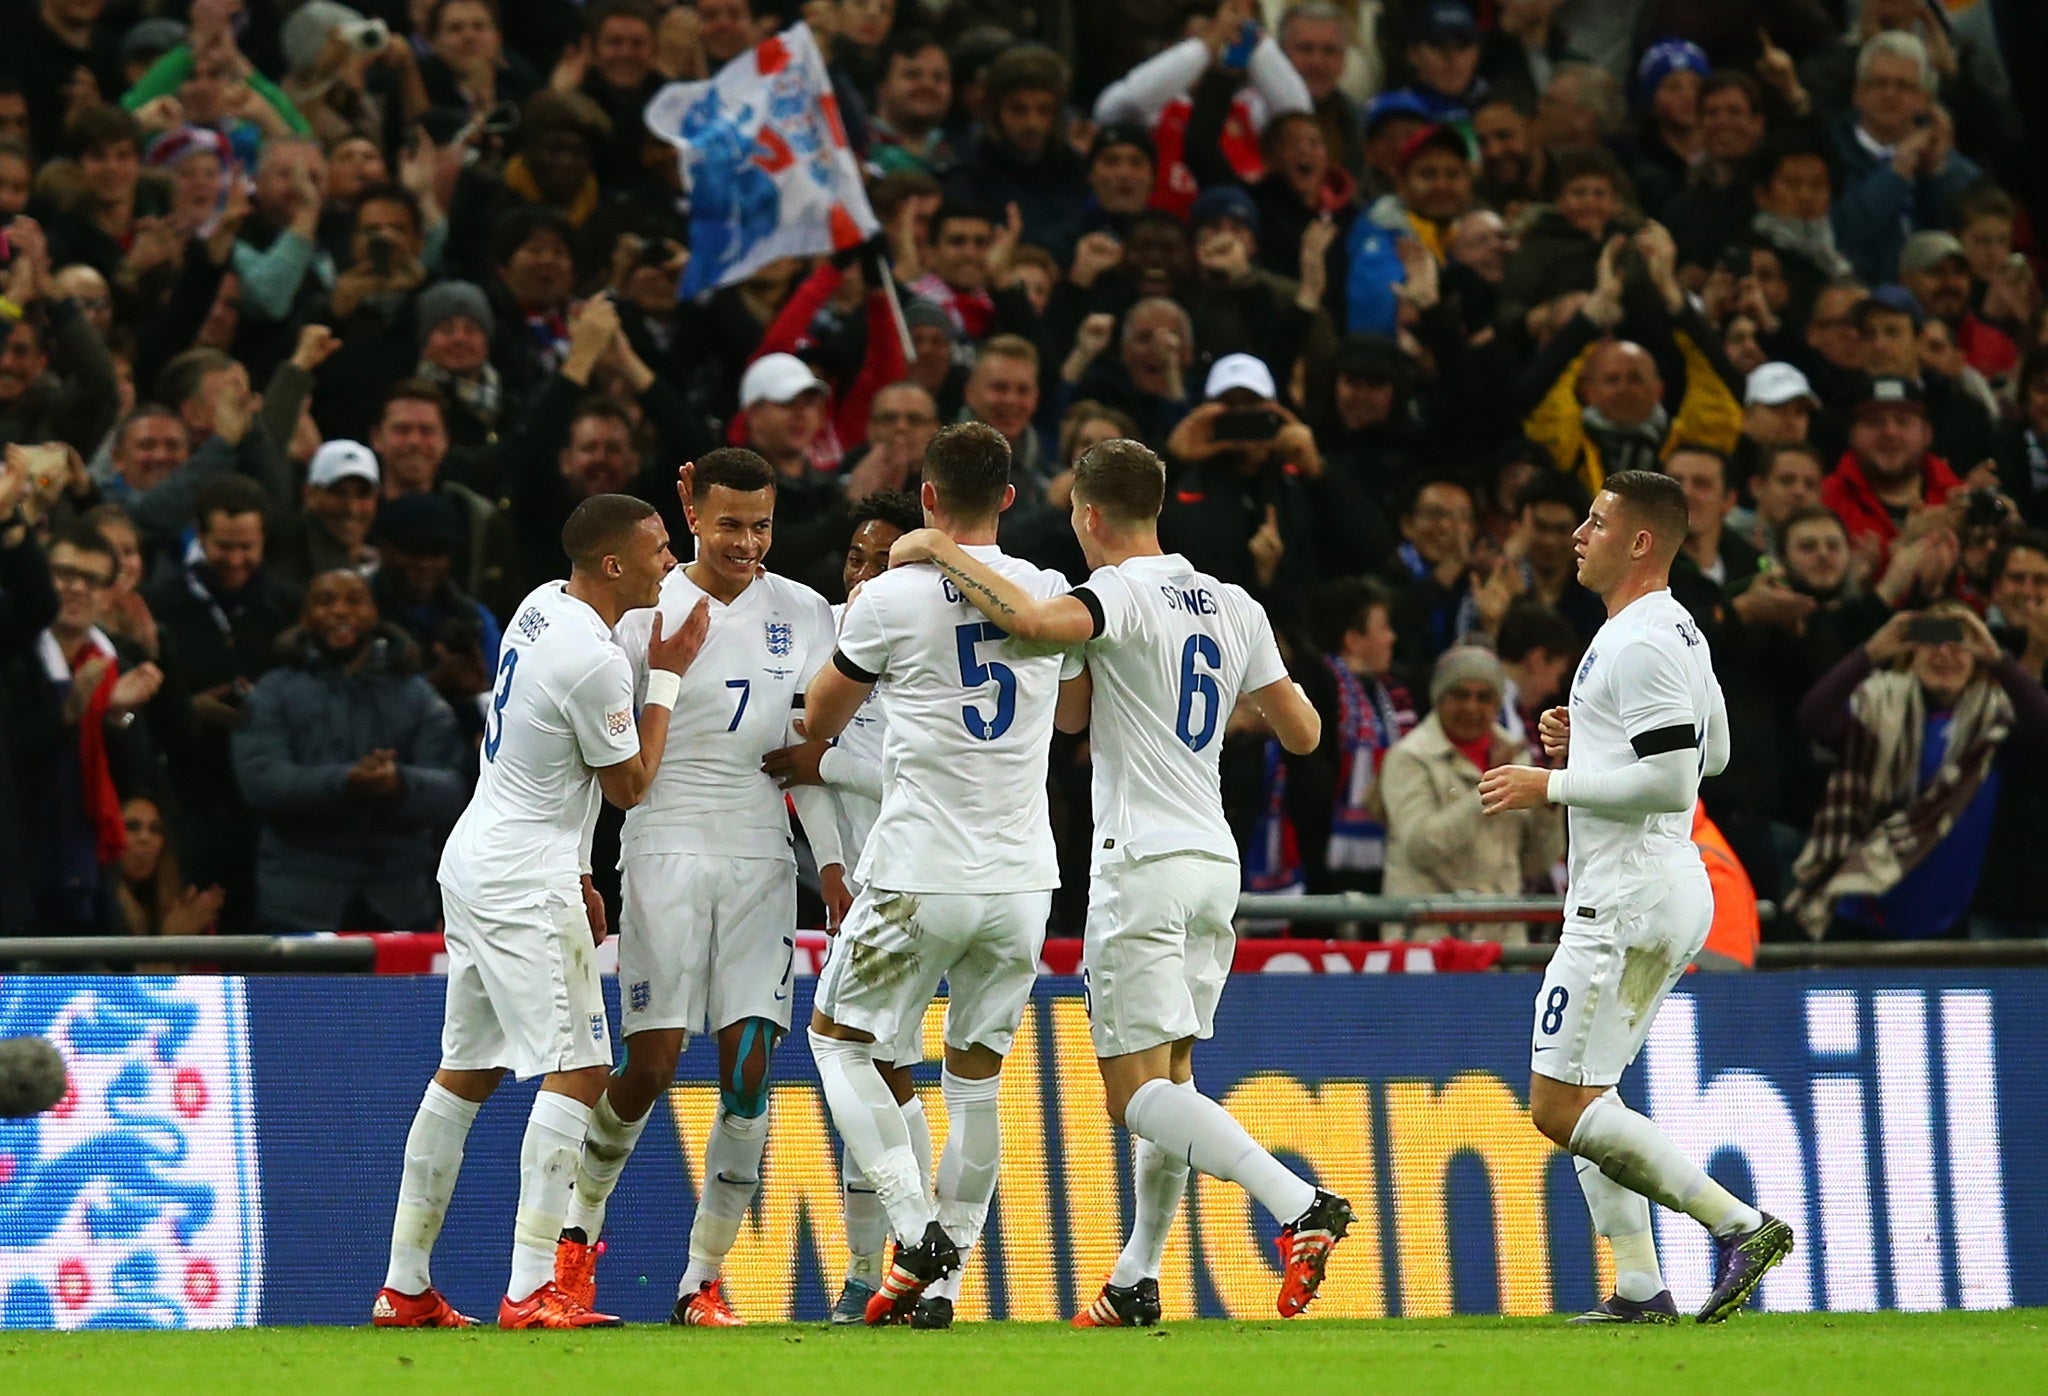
[(1169, 652), (522, 921), (1644, 724)]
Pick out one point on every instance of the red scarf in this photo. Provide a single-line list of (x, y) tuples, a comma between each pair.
[(95, 777)]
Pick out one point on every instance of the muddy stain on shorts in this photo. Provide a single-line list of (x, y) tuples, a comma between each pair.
[(879, 966), (1643, 972)]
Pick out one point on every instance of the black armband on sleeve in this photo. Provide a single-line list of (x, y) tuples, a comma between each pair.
[(1681, 736), (1094, 604), (850, 669)]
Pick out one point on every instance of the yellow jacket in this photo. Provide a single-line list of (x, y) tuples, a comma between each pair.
[(1708, 415)]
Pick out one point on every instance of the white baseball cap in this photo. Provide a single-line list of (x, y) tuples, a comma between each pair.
[(1774, 385), (778, 378), (340, 460), (1240, 371)]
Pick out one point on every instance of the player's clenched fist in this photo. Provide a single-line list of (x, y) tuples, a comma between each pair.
[(1507, 788), (918, 545), (677, 652), (1554, 729)]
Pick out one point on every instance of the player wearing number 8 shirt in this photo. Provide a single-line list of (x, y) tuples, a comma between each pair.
[(1169, 652), (522, 991), (957, 877), (708, 924), (1645, 722)]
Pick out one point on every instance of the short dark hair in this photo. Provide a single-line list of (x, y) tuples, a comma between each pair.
[(416, 390), (1780, 146), (897, 508), (1655, 500), (892, 191), (968, 467), (1552, 486), (2033, 367), (393, 193), (230, 495), (100, 126), (1123, 479), (1529, 626), (1344, 605), (1984, 199), (1734, 80), (180, 380), (909, 43), (615, 9), (1589, 161), (961, 211), (2031, 540), (600, 524), (1024, 68), (734, 467), (1412, 496), (522, 223), (608, 408), (87, 539), (1714, 453), (1767, 459), (439, 6), (1811, 513)]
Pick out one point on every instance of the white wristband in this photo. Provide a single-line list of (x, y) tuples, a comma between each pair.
[(662, 688), (1553, 788)]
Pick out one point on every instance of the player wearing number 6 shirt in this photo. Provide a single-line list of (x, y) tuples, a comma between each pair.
[(1645, 722), (957, 878), (708, 926), (1169, 652), (522, 991)]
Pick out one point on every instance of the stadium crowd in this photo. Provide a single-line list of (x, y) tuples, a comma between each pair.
[(319, 319)]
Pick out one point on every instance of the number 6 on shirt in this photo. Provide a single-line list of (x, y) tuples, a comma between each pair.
[(974, 673)]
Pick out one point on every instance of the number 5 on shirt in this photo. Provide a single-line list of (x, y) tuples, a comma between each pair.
[(974, 673)]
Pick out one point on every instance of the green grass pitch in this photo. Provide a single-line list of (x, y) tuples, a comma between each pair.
[(1984, 1354)]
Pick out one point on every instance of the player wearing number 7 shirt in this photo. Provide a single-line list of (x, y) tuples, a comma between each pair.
[(957, 877), (523, 993), (1644, 723), (1169, 652), (708, 925)]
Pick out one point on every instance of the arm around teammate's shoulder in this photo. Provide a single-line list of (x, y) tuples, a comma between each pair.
[(1066, 619), (626, 783), (1289, 713)]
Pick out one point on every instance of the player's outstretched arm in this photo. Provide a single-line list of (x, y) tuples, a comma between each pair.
[(1070, 714), (669, 657), (1055, 620), (1289, 713), (834, 696)]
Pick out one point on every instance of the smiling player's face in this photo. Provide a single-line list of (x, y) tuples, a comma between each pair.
[(734, 529)]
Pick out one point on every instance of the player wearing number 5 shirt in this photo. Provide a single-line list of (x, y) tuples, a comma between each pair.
[(522, 921), (1169, 650), (1644, 723)]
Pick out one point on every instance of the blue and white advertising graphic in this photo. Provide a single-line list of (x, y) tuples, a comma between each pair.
[(231, 1149), (764, 154), (135, 1201)]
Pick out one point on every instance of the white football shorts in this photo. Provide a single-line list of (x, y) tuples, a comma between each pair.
[(897, 946), (705, 940), (523, 990), (1621, 952), (1157, 949)]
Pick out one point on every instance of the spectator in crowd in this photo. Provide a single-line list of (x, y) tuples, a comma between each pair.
[(911, 104), (1931, 719), (1431, 571), (411, 441), (1900, 168), (1778, 404), (417, 588), (1512, 165), (342, 487), (1933, 266), (28, 603), (1669, 139), (1537, 649), (1787, 481), (1019, 152), (2010, 900), (354, 765), (154, 898), (1722, 557), (2022, 450), (1889, 471), (1712, 208), (901, 424), (1438, 843), (124, 614), (1312, 36), (56, 381), (1148, 378), (456, 328)]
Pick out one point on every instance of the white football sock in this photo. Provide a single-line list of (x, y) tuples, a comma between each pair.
[(1623, 1217), (606, 1148), (547, 1174), (920, 1137), (1159, 1181), (1631, 1150), (873, 1130), (433, 1158), (867, 1225), (1199, 1130), (968, 1166), (732, 1174)]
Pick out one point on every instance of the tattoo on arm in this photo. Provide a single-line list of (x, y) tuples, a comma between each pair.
[(968, 583)]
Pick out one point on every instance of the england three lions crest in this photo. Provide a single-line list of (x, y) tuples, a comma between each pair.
[(781, 638)]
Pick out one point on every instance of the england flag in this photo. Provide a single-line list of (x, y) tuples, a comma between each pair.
[(764, 155)]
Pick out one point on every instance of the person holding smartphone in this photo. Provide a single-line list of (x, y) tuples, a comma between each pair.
[(1931, 718)]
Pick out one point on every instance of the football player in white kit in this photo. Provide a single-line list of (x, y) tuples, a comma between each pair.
[(852, 768), (522, 918), (1170, 650), (707, 929), (1644, 723), (957, 878)]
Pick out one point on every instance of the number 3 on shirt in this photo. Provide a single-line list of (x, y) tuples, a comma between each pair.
[(974, 673), (494, 720), (1194, 685)]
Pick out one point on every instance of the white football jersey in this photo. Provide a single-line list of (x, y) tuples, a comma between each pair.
[(1645, 686), (710, 795), (1175, 649), (853, 768), (969, 722), (560, 709)]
